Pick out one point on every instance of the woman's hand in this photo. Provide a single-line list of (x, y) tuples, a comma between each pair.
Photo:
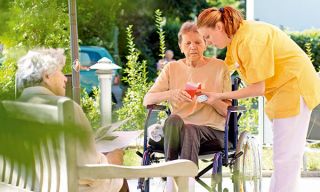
[(178, 95), (212, 97)]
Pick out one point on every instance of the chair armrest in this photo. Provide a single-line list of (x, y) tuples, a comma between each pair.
[(236, 109), (7, 187), (156, 107), (108, 171)]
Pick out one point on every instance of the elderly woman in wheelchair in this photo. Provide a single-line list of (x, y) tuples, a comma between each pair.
[(191, 122), (193, 128)]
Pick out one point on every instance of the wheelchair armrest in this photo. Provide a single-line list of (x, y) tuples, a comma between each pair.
[(236, 109), (156, 107)]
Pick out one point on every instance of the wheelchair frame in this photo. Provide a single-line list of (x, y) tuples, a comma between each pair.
[(233, 157)]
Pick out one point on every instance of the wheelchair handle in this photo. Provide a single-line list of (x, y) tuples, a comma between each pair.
[(236, 109)]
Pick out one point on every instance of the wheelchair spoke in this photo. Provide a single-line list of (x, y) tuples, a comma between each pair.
[(247, 169)]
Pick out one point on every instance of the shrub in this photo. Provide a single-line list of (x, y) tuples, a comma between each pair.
[(138, 86), (249, 120), (309, 41), (7, 80), (90, 106)]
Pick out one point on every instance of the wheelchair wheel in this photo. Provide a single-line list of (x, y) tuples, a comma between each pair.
[(247, 168)]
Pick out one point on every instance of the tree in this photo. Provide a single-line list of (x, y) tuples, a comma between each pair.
[(4, 14), (97, 21), (140, 14), (32, 23)]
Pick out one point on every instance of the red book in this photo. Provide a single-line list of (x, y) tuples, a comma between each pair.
[(192, 88)]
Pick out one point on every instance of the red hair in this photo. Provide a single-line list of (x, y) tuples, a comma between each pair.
[(230, 17)]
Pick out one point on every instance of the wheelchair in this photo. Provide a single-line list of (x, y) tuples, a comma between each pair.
[(313, 135), (240, 153)]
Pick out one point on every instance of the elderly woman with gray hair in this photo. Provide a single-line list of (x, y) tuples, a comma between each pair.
[(40, 78), (42, 70), (192, 122)]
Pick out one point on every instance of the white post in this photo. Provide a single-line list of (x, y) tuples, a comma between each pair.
[(250, 10), (105, 69), (261, 120), (105, 84), (265, 125), (305, 161)]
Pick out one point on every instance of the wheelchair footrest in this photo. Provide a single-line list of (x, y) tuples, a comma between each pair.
[(155, 159), (139, 154)]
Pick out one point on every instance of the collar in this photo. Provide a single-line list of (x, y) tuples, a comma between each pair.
[(36, 89)]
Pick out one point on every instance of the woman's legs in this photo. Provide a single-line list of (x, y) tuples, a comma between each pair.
[(289, 138), (171, 130), (185, 139), (172, 136), (192, 138)]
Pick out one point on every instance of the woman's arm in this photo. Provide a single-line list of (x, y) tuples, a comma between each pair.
[(253, 90), (176, 95), (155, 98)]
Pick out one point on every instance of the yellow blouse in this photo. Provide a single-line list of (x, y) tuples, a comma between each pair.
[(265, 53)]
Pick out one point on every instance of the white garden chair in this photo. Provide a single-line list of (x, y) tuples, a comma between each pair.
[(55, 167)]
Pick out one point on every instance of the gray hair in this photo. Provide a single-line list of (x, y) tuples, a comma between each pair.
[(188, 26), (37, 63)]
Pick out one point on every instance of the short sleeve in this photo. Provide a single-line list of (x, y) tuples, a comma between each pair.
[(162, 82), (257, 59)]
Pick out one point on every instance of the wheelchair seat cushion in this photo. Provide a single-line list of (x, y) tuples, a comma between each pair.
[(208, 147)]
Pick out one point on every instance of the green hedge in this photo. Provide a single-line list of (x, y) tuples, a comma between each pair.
[(313, 38)]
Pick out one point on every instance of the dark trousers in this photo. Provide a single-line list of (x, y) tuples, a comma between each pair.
[(185, 139)]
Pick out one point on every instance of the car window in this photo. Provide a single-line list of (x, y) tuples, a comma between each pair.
[(89, 58), (85, 59)]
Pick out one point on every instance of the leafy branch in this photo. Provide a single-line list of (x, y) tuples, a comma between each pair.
[(160, 22), (309, 51)]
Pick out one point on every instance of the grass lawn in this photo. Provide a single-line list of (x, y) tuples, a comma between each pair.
[(313, 159)]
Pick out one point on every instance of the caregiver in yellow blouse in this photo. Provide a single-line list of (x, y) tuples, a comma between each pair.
[(272, 65)]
